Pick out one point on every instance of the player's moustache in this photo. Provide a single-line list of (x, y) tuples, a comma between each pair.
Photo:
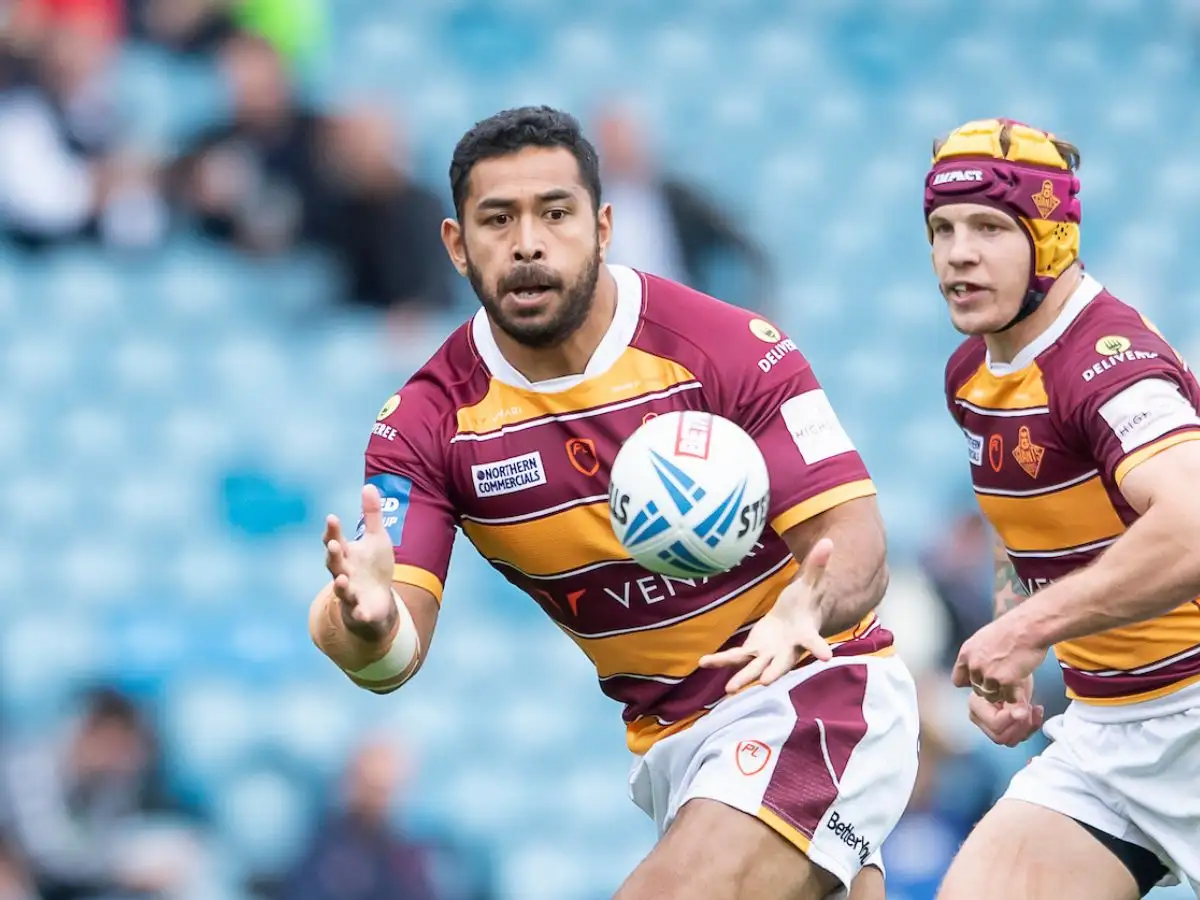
[(528, 278)]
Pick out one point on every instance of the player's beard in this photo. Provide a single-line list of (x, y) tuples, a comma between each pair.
[(577, 299)]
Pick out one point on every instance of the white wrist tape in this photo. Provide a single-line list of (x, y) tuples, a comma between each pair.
[(401, 656)]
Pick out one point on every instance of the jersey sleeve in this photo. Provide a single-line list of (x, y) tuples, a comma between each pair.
[(770, 390), (404, 462), (1127, 400)]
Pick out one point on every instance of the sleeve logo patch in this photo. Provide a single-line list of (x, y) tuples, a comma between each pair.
[(393, 402), (1147, 410), (394, 491), (765, 331), (1112, 345), (814, 427)]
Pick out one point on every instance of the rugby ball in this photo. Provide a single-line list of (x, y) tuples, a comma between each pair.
[(688, 494)]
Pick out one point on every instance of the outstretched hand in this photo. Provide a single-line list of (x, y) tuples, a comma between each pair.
[(779, 640), (362, 571)]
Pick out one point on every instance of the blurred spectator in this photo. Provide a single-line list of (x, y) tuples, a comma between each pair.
[(296, 28), (663, 224), (186, 27), (254, 181), (959, 563), (382, 227), (16, 882), (79, 810), (356, 853), (62, 174)]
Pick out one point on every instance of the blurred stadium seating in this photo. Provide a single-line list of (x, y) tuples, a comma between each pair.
[(173, 429)]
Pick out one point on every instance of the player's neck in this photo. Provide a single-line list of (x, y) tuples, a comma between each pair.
[(572, 355), (1004, 347)]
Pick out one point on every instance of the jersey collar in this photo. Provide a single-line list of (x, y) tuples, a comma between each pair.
[(612, 345), (1087, 291)]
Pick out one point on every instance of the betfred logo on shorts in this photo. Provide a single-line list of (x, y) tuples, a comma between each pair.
[(695, 432), (845, 831)]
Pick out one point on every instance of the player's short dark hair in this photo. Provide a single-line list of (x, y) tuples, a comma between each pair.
[(513, 130)]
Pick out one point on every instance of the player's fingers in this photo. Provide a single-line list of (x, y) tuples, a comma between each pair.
[(335, 558), (331, 527), (372, 507), (734, 657), (341, 590), (333, 530), (748, 674), (810, 639), (990, 715), (1039, 717), (961, 676), (817, 560), (994, 731), (778, 667)]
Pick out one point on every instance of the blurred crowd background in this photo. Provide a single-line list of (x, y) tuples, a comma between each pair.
[(219, 253)]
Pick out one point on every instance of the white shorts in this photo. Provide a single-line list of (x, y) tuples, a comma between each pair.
[(826, 756), (1137, 779)]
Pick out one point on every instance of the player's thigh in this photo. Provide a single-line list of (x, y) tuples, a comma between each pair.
[(714, 851), (1027, 851), (868, 884)]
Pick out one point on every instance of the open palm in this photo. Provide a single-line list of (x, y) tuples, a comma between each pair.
[(362, 570), (792, 628)]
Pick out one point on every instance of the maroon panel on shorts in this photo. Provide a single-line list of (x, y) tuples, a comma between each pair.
[(802, 788)]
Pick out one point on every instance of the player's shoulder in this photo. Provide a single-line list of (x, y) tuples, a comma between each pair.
[(426, 405), (964, 362), (701, 332), (1109, 344)]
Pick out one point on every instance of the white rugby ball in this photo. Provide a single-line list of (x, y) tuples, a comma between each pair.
[(688, 494)]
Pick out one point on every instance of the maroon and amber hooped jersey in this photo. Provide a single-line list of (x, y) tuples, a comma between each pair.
[(1050, 437), (523, 468)]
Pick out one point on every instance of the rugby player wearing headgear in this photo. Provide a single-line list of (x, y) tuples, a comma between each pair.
[(779, 780), (1084, 445)]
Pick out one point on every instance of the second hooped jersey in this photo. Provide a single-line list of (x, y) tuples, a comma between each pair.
[(523, 468), (1050, 438)]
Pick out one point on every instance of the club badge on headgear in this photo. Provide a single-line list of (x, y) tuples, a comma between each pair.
[(1029, 180)]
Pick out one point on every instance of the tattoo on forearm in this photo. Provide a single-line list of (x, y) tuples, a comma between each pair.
[(1009, 592)]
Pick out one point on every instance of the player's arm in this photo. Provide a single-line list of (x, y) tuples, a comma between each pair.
[(374, 628), (376, 617), (1008, 592), (822, 503), (1144, 432), (1151, 569), (856, 574)]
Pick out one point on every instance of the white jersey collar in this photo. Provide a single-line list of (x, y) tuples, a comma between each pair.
[(1086, 291), (612, 345)]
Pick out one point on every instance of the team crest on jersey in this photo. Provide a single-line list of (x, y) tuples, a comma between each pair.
[(1045, 200), (996, 452), (1028, 454), (765, 331), (582, 454)]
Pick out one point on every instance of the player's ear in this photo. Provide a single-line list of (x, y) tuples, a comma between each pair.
[(604, 225), (452, 238)]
